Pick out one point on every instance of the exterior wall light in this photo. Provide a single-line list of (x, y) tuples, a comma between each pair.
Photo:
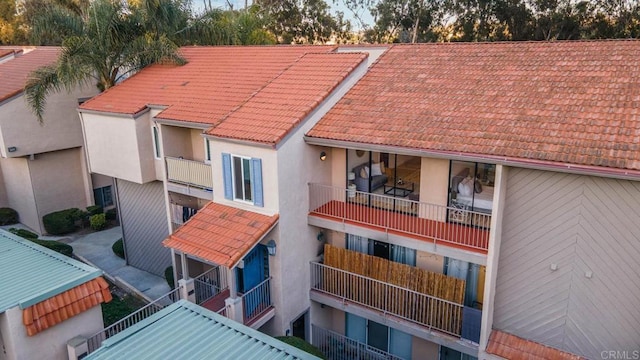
[(271, 247), (323, 156)]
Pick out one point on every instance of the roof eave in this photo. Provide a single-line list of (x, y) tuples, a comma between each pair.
[(625, 174)]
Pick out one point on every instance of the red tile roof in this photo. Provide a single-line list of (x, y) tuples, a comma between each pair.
[(215, 81), (14, 73), (561, 102), (515, 348), (284, 102), (221, 234), (59, 308)]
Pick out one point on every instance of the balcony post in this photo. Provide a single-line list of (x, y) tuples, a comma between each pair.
[(234, 309), (187, 290)]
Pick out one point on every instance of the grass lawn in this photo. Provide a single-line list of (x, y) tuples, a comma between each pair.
[(120, 307)]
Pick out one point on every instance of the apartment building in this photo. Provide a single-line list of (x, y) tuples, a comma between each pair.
[(42, 165), (439, 201)]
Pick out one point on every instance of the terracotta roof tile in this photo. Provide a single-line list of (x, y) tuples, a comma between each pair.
[(563, 102), (215, 81), (515, 348), (284, 102), (52, 311), (14, 72), (221, 234)]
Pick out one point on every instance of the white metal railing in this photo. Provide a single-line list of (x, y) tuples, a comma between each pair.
[(210, 283), (339, 347), (256, 301), (189, 172), (153, 307), (436, 222), (421, 309)]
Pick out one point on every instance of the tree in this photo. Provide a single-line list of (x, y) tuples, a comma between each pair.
[(105, 46), (302, 21)]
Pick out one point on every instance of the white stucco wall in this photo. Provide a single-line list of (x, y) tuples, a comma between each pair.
[(60, 128), (50, 343), (119, 146)]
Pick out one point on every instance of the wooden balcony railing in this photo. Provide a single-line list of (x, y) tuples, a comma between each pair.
[(189, 172), (418, 308), (431, 222)]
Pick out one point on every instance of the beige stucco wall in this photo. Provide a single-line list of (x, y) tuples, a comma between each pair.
[(176, 142), (99, 181), (21, 197), (119, 146), (4, 200), (57, 181), (50, 343), (197, 145), (60, 128), (423, 349), (269, 174)]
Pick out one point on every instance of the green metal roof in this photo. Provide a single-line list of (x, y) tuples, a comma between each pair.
[(187, 331), (30, 273)]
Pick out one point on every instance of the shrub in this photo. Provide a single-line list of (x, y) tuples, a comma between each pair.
[(112, 214), (118, 248), (8, 216), (302, 345), (61, 222), (168, 275), (94, 210), (62, 248), (24, 233), (98, 222)]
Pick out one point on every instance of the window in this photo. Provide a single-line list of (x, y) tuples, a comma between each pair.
[(382, 249), (156, 143), (103, 196), (207, 151), (471, 186), (242, 179), (378, 336)]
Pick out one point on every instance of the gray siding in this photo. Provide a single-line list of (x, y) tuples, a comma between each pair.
[(144, 225), (582, 224)]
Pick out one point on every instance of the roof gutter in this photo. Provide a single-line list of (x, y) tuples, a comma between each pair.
[(625, 174)]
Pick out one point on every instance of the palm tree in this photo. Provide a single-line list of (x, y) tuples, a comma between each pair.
[(106, 45)]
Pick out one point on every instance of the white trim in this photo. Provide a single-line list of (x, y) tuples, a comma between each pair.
[(155, 135), (233, 179), (207, 151)]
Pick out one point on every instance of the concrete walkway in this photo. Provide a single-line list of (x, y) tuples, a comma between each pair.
[(95, 249)]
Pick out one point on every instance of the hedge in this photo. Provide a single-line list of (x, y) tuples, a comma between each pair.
[(8, 216), (168, 275), (98, 222), (118, 248), (62, 248), (94, 210), (111, 214), (302, 345), (62, 222)]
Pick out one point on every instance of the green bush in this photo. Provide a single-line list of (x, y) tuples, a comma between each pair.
[(168, 275), (98, 222), (302, 345), (118, 248), (8, 216), (112, 214), (24, 233), (62, 222), (94, 210), (63, 249)]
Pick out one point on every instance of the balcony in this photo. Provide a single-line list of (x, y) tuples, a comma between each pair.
[(406, 304), (212, 290), (453, 226), (339, 347), (189, 173)]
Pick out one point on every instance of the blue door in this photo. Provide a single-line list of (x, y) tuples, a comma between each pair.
[(253, 273)]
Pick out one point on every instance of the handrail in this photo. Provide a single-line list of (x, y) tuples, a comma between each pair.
[(189, 172), (256, 301), (95, 341), (207, 286), (339, 347), (410, 305), (438, 223)]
